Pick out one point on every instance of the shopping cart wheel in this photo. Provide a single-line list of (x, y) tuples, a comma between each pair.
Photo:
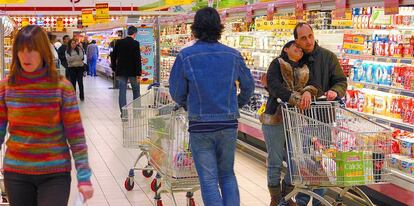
[(147, 173), (159, 202), (129, 184), (155, 186), (191, 202)]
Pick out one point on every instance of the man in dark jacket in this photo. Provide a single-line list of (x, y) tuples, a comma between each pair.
[(62, 56), (326, 72), (127, 64)]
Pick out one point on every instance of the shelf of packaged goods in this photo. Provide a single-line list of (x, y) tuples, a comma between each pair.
[(165, 46), (392, 122), (272, 51), (171, 36), (383, 88), (163, 55), (257, 69), (403, 176), (381, 59)]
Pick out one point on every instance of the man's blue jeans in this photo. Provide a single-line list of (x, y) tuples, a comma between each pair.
[(275, 144), (213, 154), (92, 66), (123, 80)]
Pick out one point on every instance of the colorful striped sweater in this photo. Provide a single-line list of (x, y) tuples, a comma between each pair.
[(44, 123)]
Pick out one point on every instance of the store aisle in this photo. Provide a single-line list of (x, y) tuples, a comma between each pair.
[(110, 162)]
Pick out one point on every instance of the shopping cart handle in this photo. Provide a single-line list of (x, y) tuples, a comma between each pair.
[(177, 107), (155, 84)]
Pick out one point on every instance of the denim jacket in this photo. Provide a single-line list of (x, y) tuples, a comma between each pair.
[(203, 79)]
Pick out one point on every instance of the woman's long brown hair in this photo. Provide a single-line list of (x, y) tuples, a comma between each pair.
[(34, 38)]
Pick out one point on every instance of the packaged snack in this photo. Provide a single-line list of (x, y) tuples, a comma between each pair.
[(380, 104), (376, 73), (368, 73), (398, 108), (386, 75), (350, 168), (369, 103), (406, 146), (368, 167), (360, 101), (407, 165), (408, 112), (395, 161)]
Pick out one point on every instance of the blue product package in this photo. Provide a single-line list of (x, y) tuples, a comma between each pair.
[(367, 72), (387, 75), (357, 71), (376, 73)]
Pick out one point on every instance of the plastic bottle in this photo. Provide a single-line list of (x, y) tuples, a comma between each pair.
[(79, 200)]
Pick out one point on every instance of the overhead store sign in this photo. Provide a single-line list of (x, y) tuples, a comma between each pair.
[(102, 12), (178, 2), (12, 1), (299, 9), (87, 17)]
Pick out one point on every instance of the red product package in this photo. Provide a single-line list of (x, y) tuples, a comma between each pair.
[(407, 77), (408, 110)]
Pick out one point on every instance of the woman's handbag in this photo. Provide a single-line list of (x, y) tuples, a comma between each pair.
[(272, 119)]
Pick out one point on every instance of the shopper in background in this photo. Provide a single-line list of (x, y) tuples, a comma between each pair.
[(288, 79), (74, 57), (39, 110), (52, 39), (84, 45), (327, 73), (58, 44), (62, 55), (203, 80), (92, 55), (127, 64)]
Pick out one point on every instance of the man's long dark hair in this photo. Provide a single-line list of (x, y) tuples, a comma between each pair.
[(207, 25)]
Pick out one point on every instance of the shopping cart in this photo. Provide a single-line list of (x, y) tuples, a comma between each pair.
[(170, 155), (330, 146), (135, 118)]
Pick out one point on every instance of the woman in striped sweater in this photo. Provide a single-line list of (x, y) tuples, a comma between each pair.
[(41, 112)]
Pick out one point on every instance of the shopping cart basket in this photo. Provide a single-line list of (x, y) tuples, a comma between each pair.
[(170, 155), (330, 146), (135, 117)]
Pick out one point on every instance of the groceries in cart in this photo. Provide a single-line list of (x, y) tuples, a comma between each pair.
[(332, 146)]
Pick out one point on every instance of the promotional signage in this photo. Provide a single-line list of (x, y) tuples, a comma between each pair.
[(102, 12), (145, 37), (246, 41), (379, 18), (344, 21), (262, 24), (391, 7), (59, 24), (87, 17), (12, 1), (178, 2), (354, 42), (25, 22)]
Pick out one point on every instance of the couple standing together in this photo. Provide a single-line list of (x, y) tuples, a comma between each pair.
[(203, 79)]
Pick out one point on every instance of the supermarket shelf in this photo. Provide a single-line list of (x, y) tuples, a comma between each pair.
[(171, 36), (381, 58), (406, 178), (383, 88), (273, 51), (396, 123), (163, 55)]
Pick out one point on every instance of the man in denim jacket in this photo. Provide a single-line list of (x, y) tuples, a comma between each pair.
[(203, 79)]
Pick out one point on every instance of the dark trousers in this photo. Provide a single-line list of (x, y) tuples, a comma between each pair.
[(76, 75), (38, 190)]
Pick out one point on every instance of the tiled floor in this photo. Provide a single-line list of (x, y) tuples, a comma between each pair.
[(111, 162)]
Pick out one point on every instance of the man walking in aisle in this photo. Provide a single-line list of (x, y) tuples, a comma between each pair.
[(92, 53), (327, 73), (203, 80), (62, 55), (127, 65)]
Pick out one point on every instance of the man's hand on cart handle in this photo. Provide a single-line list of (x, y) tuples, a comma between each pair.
[(305, 101), (331, 95), (87, 191)]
